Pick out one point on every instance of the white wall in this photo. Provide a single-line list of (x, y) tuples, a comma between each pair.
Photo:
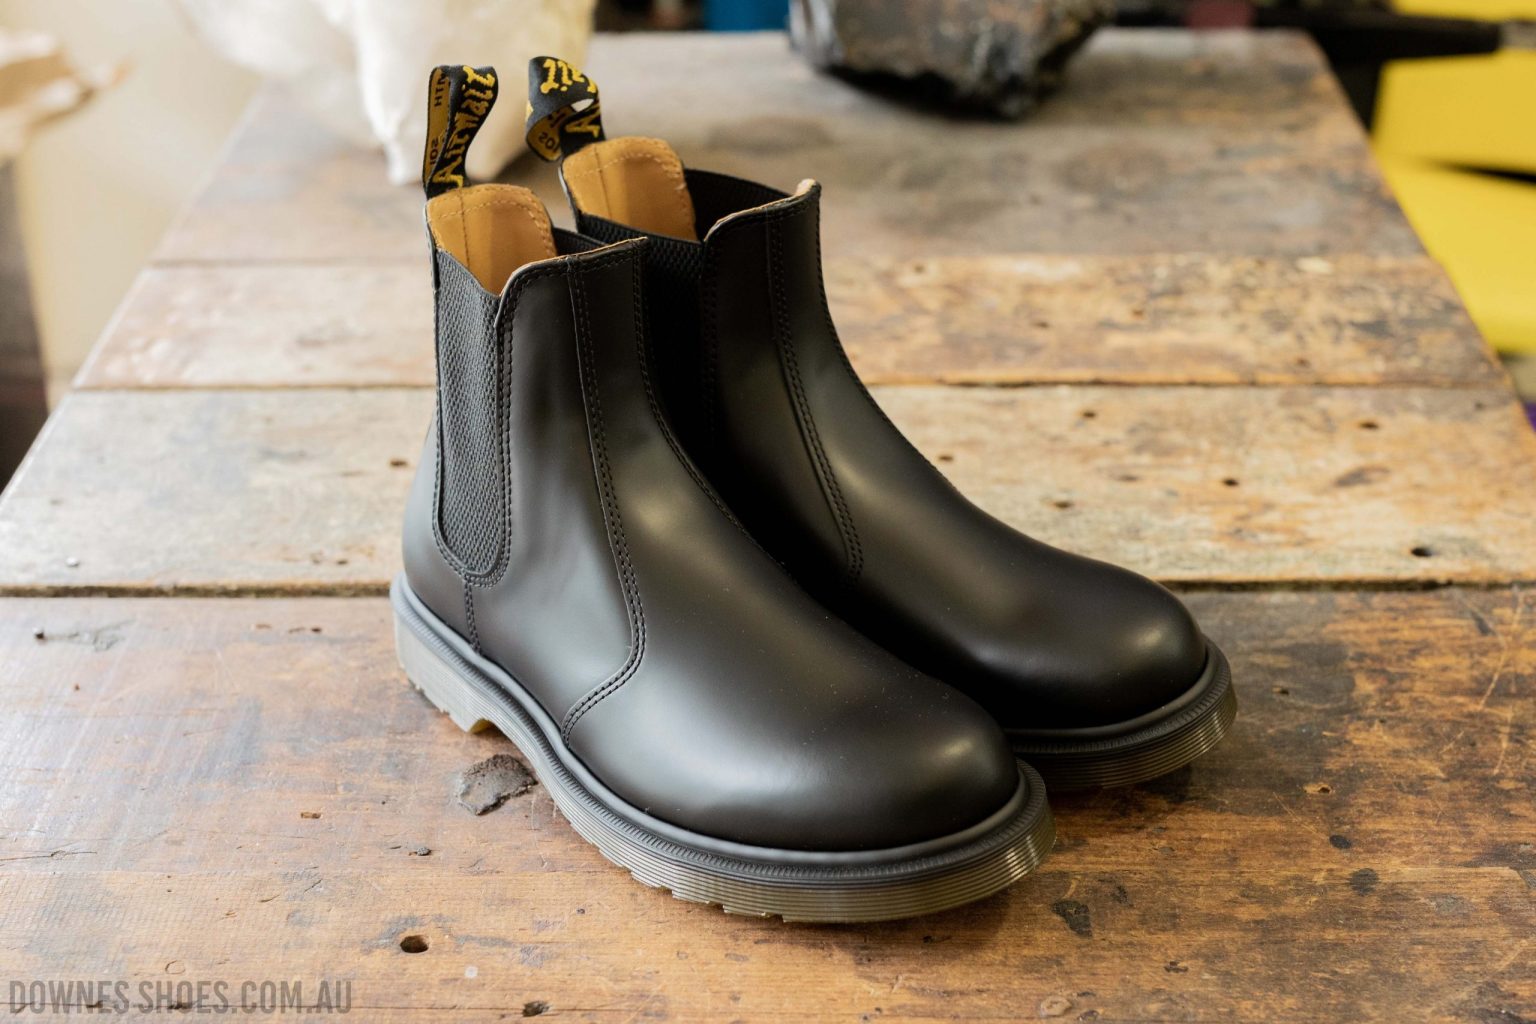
[(97, 189)]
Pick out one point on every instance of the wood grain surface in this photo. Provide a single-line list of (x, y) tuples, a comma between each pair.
[(1157, 319), (217, 491), (1225, 143), (231, 789), (302, 491)]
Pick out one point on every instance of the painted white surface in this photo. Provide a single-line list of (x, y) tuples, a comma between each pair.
[(97, 189)]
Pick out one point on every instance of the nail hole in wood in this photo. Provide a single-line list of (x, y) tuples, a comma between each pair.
[(413, 944), (1421, 552)]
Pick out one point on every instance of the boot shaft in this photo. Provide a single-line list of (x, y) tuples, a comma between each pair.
[(749, 362), (681, 300)]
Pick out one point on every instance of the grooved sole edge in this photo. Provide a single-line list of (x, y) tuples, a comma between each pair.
[(1200, 723), (759, 882)]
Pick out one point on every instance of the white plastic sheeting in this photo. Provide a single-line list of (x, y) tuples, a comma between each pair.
[(361, 65)]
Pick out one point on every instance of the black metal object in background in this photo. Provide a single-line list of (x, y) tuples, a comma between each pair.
[(1358, 41), (23, 395), (1356, 38)]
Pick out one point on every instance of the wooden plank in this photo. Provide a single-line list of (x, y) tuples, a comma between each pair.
[(270, 326), (288, 188), (1219, 142), (1226, 144), (1247, 485), (218, 491), (1359, 848), (1156, 319), (301, 492), (1224, 79)]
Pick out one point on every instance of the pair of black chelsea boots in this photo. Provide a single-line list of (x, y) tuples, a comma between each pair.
[(759, 651)]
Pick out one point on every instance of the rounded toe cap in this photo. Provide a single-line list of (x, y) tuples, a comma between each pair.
[(920, 764), (1150, 654), (869, 762), (1106, 647), (925, 775)]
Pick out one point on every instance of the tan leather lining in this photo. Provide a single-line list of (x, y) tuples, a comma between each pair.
[(634, 181), (492, 230)]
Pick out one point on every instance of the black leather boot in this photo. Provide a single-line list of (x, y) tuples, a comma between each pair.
[(571, 579), (1099, 676)]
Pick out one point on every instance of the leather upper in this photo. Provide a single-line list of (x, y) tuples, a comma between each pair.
[(794, 442), (689, 672)]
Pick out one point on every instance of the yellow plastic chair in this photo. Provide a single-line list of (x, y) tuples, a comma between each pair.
[(1438, 120)]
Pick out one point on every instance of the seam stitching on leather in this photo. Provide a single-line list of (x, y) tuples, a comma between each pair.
[(643, 353), (469, 617), (709, 339), (681, 203), (437, 415), (464, 229), (611, 516), (842, 353), (808, 433), (531, 213), (777, 215)]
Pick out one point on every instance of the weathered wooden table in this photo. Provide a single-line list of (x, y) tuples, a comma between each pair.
[(1175, 320)]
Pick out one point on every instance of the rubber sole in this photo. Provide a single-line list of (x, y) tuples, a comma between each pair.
[(796, 885), (1145, 748)]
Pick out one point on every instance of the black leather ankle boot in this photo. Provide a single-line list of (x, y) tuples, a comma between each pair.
[(571, 579), (1099, 676)]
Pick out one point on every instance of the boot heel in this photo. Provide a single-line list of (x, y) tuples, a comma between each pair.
[(437, 680)]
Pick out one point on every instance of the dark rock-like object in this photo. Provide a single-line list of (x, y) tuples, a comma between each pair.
[(486, 786), (1000, 56)]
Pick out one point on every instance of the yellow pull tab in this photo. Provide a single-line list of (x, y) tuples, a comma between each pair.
[(563, 109), (459, 98)]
